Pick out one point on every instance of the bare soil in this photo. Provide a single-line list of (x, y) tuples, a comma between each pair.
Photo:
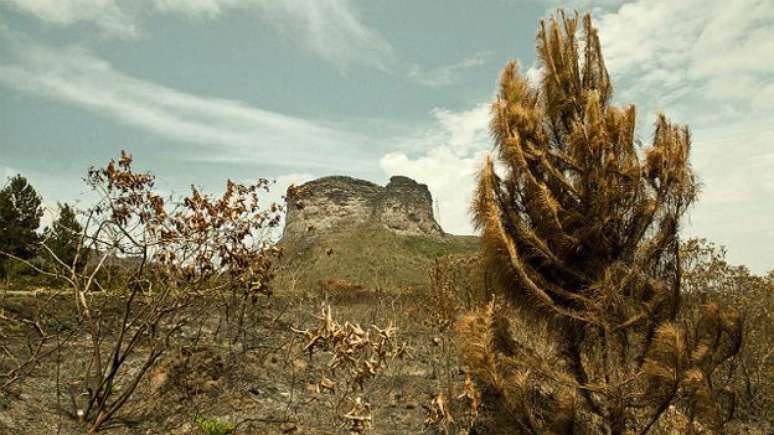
[(264, 384)]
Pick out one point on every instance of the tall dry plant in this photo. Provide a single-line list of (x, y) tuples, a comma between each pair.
[(580, 232), (180, 260), (179, 256)]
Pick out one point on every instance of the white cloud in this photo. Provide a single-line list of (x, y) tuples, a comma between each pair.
[(50, 214), (446, 75), (105, 15), (449, 177), (705, 63), (453, 151), (76, 76), (710, 50), (464, 131), (534, 74), (736, 161)]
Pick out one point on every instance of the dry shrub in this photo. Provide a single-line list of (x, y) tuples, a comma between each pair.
[(580, 236), (175, 256), (440, 417), (708, 277), (456, 285), (179, 253), (189, 371), (520, 379), (354, 358)]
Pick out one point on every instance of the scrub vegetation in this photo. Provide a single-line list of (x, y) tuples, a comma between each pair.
[(578, 310)]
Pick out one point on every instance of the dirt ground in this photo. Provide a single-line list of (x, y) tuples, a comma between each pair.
[(263, 383), (269, 386)]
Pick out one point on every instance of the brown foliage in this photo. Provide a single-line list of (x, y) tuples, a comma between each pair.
[(708, 277), (456, 285), (341, 290), (580, 233), (356, 356), (175, 257)]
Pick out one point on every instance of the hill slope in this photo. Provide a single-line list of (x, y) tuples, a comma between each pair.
[(366, 254)]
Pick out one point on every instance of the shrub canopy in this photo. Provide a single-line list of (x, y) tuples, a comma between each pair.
[(580, 234)]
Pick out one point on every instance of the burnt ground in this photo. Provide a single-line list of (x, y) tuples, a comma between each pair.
[(264, 383)]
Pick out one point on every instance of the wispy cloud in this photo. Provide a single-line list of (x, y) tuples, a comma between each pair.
[(331, 29), (446, 75), (77, 76), (106, 15), (198, 8)]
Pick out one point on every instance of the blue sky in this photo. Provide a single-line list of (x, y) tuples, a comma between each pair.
[(203, 90)]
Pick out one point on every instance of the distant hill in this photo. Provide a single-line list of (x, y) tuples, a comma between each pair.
[(375, 236)]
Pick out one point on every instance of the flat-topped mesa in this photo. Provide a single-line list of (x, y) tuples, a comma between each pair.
[(332, 204)]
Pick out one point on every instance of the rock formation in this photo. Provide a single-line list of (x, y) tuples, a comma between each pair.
[(332, 204)]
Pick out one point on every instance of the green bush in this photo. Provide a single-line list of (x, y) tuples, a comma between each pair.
[(212, 426)]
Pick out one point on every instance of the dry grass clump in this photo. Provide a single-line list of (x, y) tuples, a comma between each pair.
[(189, 371), (580, 235), (338, 290), (439, 415)]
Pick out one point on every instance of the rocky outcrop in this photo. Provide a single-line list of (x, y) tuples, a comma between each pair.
[(331, 204)]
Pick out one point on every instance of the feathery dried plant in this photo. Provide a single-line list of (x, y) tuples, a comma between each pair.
[(580, 232)]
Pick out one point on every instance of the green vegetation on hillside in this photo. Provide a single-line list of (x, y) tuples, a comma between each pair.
[(369, 255)]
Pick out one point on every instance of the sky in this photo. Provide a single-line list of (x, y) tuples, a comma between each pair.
[(204, 90)]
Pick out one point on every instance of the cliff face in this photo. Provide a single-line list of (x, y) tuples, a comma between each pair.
[(331, 204)]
